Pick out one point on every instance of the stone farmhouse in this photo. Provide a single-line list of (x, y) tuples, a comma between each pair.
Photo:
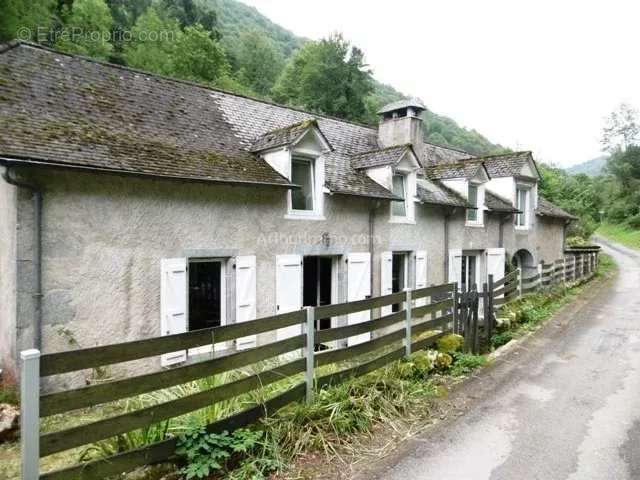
[(133, 205)]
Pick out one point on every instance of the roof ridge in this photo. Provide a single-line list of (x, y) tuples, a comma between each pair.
[(15, 43), (449, 148), (402, 145), (495, 155)]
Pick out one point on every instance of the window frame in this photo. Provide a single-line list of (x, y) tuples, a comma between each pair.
[(316, 213), (525, 216), (478, 221), (405, 183)]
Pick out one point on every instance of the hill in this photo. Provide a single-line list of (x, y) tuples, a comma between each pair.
[(234, 17), (592, 168)]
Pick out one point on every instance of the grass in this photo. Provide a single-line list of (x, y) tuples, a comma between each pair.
[(621, 234)]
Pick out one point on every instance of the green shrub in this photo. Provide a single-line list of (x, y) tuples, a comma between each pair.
[(450, 343), (442, 362), (465, 363), (501, 338), (9, 394)]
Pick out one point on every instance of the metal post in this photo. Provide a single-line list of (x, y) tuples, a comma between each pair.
[(407, 326), (310, 332), (489, 301), (30, 413), (575, 269), (454, 310), (564, 272)]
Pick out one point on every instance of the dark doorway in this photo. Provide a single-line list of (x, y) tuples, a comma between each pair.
[(317, 285), (398, 276), (205, 295)]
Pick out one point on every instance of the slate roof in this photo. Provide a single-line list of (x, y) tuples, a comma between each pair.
[(404, 103), (498, 204), (73, 111), (435, 154), (548, 209), (461, 169), (508, 164), (434, 192), (284, 136), (379, 157)]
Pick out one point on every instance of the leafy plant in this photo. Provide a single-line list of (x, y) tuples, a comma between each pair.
[(465, 363), (502, 338), (208, 453)]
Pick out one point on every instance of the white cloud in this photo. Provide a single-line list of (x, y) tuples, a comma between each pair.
[(533, 75)]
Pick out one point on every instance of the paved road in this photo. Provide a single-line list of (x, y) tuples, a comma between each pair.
[(564, 405)]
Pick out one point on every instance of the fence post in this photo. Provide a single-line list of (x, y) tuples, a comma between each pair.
[(454, 310), (485, 309), (489, 319), (407, 326), (574, 276), (564, 272), (30, 413), (540, 284), (519, 282), (309, 354)]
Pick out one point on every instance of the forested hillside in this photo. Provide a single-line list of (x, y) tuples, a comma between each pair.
[(613, 197), (592, 168), (226, 44)]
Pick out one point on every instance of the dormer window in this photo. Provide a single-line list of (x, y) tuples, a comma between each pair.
[(302, 173), (399, 207), (472, 212)]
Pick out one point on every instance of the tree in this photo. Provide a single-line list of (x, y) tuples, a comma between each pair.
[(328, 76), (258, 61), (87, 29), (622, 128), (199, 57), (153, 43), (26, 19), (189, 13)]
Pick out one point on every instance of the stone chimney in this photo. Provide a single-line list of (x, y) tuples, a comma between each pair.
[(400, 124)]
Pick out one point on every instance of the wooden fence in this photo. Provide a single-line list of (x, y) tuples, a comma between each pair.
[(423, 316)]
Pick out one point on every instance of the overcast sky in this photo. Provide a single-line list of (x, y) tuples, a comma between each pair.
[(536, 75)]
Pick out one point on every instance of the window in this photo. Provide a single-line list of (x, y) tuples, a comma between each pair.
[(468, 277), (472, 213), (302, 174), (399, 207), (205, 294), (522, 204)]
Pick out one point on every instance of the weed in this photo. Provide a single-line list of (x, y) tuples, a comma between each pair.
[(501, 338), (9, 394), (208, 453), (465, 363)]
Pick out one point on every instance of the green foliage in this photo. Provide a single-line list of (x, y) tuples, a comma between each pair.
[(18, 17), (208, 453), (502, 338), (450, 343), (87, 29), (258, 61), (198, 57), (9, 394), (328, 76), (465, 363), (153, 44)]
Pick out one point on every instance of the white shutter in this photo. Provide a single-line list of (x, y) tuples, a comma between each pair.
[(495, 263), (455, 266), (386, 279), (421, 274), (246, 296), (358, 288), (173, 304), (288, 290)]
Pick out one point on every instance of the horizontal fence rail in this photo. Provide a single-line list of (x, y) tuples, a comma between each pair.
[(423, 316)]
